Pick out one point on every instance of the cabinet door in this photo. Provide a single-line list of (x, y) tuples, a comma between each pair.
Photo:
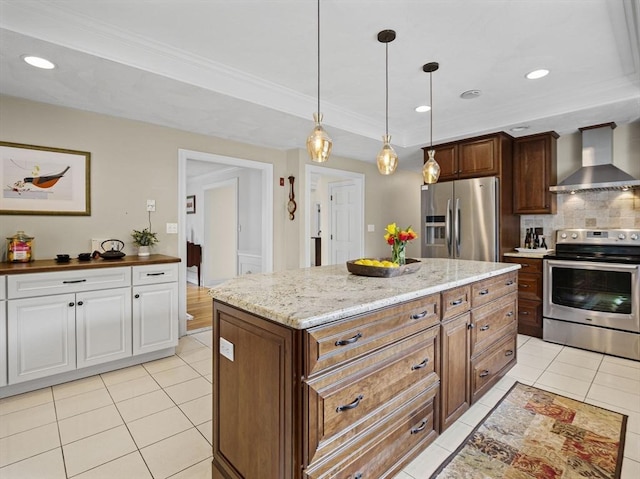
[(446, 156), (3, 343), (454, 370), (155, 317), (41, 337), (534, 170), (478, 158), (103, 323)]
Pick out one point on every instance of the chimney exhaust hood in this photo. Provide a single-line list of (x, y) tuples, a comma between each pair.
[(597, 172)]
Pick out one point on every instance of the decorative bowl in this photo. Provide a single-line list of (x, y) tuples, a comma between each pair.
[(411, 266)]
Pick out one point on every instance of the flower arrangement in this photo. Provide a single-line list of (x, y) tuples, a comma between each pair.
[(144, 237), (398, 238)]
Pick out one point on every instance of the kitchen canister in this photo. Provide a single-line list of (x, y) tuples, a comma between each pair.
[(20, 248)]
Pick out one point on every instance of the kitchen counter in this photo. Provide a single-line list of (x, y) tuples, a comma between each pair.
[(313, 296), (527, 254), (51, 265)]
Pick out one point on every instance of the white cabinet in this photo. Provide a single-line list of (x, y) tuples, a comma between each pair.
[(155, 307), (103, 326), (3, 331), (41, 336), (86, 322)]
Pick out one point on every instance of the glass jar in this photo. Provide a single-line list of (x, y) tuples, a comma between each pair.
[(20, 248)]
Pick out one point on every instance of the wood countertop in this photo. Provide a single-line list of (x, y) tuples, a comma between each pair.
[(309, 297), (51, 265)]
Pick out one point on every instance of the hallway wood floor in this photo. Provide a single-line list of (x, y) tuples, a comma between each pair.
[(200, 306)]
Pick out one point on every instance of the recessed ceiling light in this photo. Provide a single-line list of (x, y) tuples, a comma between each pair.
[(535, 74), (470, 94), (39, 62), (516, 129), (423, 108)]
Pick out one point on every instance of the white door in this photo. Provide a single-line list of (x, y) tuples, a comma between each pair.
[(3, 344), (155, 317), (346, 222), (221, 235), (103, 326), (41, 337)]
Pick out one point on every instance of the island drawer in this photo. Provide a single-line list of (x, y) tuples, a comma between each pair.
[(491, 321), (491, 365), (404, 434), (455, 302), (489, 289), (335, 343), (350, 399)]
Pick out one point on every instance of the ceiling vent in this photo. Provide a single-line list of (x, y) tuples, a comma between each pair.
[(597, 172)]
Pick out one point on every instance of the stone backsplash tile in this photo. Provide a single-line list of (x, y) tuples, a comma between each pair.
[(592, 209)]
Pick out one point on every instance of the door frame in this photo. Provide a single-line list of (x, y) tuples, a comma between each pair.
[(358, 180), (267, 217)]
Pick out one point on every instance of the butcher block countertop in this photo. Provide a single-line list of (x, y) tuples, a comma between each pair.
[(309, 297), (51, 265)]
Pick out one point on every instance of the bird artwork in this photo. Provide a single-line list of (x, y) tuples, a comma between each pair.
[(46, 181)]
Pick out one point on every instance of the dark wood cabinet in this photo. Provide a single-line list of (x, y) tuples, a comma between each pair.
[(534, 170), (530, 290), (486, 155), (454, 391)]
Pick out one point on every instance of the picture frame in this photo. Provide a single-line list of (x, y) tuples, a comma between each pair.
[(191, 204), (42, 180)]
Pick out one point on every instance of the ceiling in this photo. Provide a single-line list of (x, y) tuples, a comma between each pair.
[(246, 70)]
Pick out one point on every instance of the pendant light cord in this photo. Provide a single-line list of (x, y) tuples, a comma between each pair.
[(431, 111), (386, 66), (318, 60)]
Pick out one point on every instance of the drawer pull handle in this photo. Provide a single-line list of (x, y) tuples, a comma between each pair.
[(471, 326), (358, 476), (456, 302), (509, 283), (524, 265), (421, 365), (508, 352), (72, 281), (80, 303), (419, 428), (524, 313), (483, 292), (354, 404), (484, 373), (344, 342), (419, 315), (509, 314), (155, 274), (522, 285), (71, 305), (137, 296), (485, 327)]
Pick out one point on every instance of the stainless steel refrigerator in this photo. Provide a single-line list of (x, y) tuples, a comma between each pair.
[(460, 219)]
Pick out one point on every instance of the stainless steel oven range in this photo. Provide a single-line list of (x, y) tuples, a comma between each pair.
[(592, 291)]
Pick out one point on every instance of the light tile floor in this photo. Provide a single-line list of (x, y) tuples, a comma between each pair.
[(154, 420)]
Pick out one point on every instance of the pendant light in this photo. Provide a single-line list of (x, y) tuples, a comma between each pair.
[(387, 159), (318, 143), (431, 168)]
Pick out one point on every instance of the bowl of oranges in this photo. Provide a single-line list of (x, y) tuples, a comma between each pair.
[(382, 267)]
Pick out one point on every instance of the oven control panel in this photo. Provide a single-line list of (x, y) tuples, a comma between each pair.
[(600, 237)]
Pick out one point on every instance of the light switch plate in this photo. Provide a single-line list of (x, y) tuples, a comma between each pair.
[(226, 349), (172, 228)]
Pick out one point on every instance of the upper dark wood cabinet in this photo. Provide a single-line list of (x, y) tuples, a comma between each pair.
[(473, 157), (534, 170)]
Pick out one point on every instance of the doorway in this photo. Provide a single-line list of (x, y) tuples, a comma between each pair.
[(263, 206)]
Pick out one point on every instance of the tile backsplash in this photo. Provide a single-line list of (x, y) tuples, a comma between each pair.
[(590, 209)]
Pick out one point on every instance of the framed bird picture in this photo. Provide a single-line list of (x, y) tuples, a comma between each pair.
[(39, 180)]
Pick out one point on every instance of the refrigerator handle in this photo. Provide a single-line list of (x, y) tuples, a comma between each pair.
[(456, 226), (447, 227)]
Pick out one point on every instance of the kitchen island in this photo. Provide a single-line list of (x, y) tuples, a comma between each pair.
[(319, 373)]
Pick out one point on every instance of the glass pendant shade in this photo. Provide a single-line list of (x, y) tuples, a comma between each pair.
[(387, 159), (431, 169), (318, 143)]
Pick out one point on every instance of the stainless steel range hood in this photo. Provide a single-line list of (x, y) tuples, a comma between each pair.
[(598, 171)]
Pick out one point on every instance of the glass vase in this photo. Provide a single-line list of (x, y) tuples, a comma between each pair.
[(398, 254)]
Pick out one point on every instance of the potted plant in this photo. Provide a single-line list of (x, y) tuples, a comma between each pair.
[(144, 240)]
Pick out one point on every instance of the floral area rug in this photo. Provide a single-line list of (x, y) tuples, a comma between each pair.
[(533, 433)]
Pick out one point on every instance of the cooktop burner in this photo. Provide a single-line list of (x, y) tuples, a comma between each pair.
[(612, 246)]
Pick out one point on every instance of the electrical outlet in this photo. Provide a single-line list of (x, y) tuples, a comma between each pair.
[(172, 228), (151, 205), (96, 244), (226, 348), (371, 228)]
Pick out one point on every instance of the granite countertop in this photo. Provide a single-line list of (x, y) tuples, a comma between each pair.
[(529, 254), (313, 296)]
